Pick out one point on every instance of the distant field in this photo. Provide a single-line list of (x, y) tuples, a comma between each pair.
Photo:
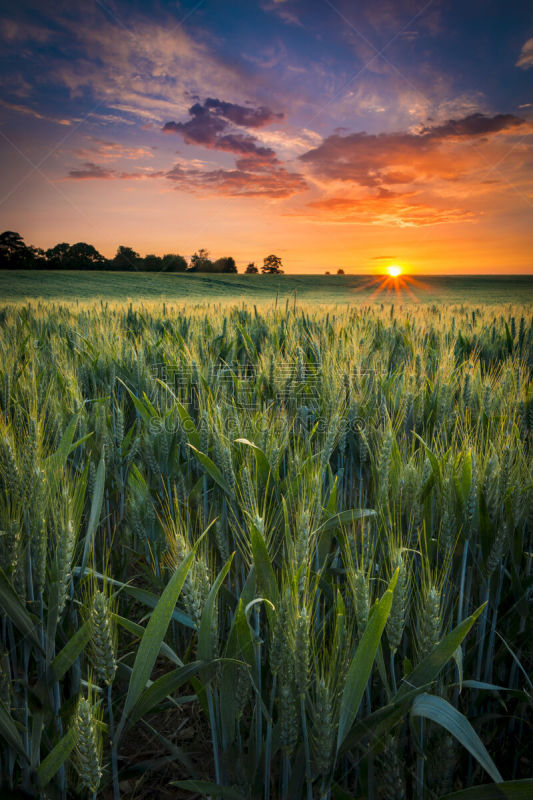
[(20, 285)]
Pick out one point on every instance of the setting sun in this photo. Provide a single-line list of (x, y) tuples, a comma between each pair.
[(394, 271)]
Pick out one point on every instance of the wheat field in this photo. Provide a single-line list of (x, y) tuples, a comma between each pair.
[(276, 552)]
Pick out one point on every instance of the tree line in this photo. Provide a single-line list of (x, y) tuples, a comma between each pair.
[(16, 254)]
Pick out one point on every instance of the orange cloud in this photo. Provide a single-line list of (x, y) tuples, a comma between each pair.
[(385, 208), (371, 159), (428, 176)]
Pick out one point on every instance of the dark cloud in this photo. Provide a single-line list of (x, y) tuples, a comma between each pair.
[(246, 116), (242, 144), (203, 128), (472, 125), (211, 125), (258, 172)]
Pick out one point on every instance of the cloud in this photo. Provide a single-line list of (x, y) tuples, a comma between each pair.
[(273, 55), (203, 128), (105, 150), (279, 8), (418, 177), (89, 170), (472, 125), (254, 176), (211, 125), (141, 67), (246, 116), (21, 109), (387, 102), (257, 162), (217, 125), (393, 16), (251, 178), (373, 160), (388, 208), (526, 56), (14, 31), (291, 141)]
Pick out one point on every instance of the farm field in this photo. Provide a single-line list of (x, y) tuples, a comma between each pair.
[(276, 552), (86, 287)]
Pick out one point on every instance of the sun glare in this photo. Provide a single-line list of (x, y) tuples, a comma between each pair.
[(394, 271)]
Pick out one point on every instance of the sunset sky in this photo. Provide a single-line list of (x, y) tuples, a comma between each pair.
[(335, 134)]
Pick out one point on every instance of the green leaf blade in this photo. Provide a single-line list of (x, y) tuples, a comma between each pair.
[(362, 663), (152, 639), (438, 710)]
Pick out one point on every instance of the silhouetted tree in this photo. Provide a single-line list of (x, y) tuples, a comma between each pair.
[(225, 264), (340, 271), (152, 263), (39, 258), (66, 256), (14, 254), (174, 263), (327, 272), (84, 256), (11, 245), (126, 259), (272, 265), (251, 269), (57, 255), (200, 261)]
